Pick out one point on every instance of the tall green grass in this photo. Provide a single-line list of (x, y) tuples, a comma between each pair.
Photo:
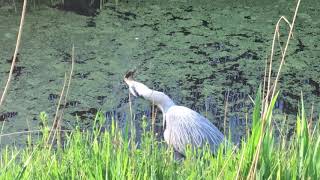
[(111, 154)]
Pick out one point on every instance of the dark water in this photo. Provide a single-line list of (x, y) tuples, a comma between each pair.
[(194, 52)]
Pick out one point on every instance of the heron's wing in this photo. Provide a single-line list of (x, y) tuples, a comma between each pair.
[(185, 126)]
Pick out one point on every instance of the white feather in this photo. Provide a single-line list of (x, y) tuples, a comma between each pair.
[(183, 125)]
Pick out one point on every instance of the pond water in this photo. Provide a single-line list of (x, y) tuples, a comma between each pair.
[(194, 52)]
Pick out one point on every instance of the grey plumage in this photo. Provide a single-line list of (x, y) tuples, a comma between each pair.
[(183, 125)]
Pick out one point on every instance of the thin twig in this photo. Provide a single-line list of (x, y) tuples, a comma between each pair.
[(153, 117), (70, 75), (66, 94), (26, 132), (285, 49), (276, 34), (130, 109), (58, 119), (269, 72), (225, 113), (15, 52), (2, 127), (57, 109), (264, 84), (278, 31)]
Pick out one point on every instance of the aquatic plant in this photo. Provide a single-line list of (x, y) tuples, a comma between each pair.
[(112, 153)]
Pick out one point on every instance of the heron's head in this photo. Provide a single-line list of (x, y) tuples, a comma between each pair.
[(128, 79), (140, 90)]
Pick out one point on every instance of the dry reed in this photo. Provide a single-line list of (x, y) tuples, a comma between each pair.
[(15, 52), (56, 126), (274, 87)]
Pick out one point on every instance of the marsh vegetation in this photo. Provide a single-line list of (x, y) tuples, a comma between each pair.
[(213, 62)]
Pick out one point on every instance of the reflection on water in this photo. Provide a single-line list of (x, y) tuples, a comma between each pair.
[(194, 52)]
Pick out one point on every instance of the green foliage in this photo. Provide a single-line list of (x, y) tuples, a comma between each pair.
[(111, 154)]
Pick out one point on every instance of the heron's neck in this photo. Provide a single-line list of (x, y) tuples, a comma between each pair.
[(158, 98)]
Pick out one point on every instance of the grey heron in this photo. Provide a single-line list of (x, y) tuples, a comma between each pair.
[(183, 126)]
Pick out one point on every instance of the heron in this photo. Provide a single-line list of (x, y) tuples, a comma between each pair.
[(182, 125)]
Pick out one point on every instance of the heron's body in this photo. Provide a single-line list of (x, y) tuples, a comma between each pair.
[(183, 126)]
